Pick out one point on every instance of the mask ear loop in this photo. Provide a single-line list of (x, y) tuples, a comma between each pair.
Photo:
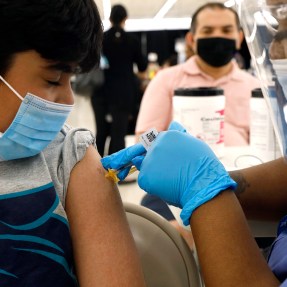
[(11, 88)]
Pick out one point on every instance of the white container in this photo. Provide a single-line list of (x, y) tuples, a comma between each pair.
[(201, 112), (263, 141)]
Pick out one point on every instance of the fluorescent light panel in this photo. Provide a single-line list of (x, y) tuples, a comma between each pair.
[(107, 9), (165, 8), (137, 25), (229, 3)]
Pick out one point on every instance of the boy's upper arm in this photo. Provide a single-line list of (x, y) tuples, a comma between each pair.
[(102, 241)]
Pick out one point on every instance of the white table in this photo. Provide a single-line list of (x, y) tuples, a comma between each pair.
[(245, 156)]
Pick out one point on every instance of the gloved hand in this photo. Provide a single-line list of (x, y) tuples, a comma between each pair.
[(179, 168), (122, 158), (183, 171), (137, 161), (130, 155)]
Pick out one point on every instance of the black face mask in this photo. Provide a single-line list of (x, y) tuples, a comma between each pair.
[(216, 51)]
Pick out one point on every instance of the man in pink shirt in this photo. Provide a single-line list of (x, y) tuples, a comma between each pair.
[(215, 36)]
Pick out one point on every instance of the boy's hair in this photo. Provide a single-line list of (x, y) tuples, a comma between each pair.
[(212, 5), (118, 14), (66, 31)]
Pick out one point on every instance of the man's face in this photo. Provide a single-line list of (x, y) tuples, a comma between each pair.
[(216, 23), (29, 72)]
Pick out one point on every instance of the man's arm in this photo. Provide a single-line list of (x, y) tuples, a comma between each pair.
[(227, 252), (262, 190), (104, 250)]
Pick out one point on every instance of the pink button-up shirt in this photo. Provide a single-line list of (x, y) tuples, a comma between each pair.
[(156, 107)]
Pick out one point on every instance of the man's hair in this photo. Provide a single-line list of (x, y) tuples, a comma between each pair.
[(66, 31), (211, 5), (118, 14)]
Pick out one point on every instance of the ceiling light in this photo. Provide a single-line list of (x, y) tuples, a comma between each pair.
[(107, 9), (165, 8), (137, 25), (229, 3)]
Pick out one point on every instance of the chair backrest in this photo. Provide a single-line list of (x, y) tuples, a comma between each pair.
[(166, 258)]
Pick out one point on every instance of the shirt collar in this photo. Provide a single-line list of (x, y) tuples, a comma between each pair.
[(190, 67)]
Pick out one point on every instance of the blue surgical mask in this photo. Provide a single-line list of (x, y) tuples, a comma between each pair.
[(35, 125)]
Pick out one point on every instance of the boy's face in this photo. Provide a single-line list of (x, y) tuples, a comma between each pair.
[(29, 72)]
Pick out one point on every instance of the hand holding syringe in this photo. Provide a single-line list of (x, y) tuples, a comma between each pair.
[(121, 167)]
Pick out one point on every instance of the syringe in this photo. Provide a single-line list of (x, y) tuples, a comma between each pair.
[(146, 139), (113, 173)]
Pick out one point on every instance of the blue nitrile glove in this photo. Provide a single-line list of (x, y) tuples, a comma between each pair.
[(137, 161), (131, 155), (123, 157), (183, 171)]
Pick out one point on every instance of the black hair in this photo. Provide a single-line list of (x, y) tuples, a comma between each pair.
[(65, 31), (212, 5), (118, 14)]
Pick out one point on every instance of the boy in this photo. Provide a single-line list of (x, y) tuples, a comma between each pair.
[(62, 223)]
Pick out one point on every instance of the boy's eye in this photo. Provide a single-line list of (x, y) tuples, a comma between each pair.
[(53, 83)]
